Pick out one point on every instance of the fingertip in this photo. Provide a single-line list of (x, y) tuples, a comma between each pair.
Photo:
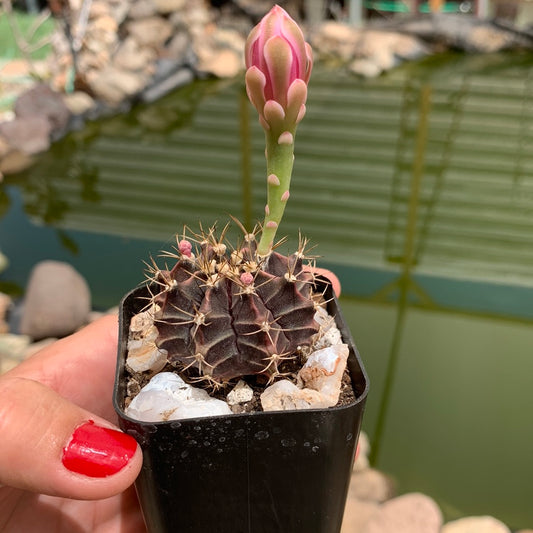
[(99, 462), (51, 446)]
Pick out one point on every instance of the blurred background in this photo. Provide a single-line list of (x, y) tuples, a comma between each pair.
[(413, 179)]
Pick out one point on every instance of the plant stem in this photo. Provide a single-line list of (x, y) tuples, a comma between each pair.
[(280, 158)]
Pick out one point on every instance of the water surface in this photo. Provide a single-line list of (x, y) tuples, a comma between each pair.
[(417, 189)]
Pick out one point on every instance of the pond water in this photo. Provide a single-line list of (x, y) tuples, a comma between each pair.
[(417, 189)]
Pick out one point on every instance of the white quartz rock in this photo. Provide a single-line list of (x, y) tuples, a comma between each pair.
[(323, 371), (168, 397), (285, 395), (329, 333), (241, 393), (323, 318), (319, 383), (143, 354)]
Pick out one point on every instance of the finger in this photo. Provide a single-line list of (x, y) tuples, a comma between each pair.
[(51, 446), (65, 366)]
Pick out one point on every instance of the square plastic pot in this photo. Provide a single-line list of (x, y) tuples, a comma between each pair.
[(266, 472)]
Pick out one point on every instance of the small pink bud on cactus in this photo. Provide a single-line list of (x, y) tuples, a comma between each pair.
[(273, 180), (247, 278), (279, 63), (286, 138), (185, 248)]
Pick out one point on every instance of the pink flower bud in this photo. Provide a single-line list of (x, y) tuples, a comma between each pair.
[(279, 63), (247, 278), (185, 247)]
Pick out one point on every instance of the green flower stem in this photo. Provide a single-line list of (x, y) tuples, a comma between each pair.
[(279, 163)]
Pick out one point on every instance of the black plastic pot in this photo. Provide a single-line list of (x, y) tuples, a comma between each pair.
[(274, 472)]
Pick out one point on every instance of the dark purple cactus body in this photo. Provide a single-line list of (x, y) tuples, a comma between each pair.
[(234, 314)]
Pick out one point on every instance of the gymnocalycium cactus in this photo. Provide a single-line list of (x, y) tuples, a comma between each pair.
[(229, 312)]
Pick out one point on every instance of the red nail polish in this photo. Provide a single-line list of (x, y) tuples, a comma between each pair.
[(95, 451)]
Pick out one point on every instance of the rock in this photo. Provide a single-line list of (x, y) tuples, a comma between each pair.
[(488, 40), (4, 261), (142, 323), (143, 353), (409, 48), (386, 49), (179, 48), (356, 514), (78, 102), (168, 397), (285, 395), (151, 31), (103, 32), (319, 383), (255, 8), (324, 319), (228, 38), (15, 161), (4, 147), (365, 68), (7, 364), (98, 8), (241, 393), (224, 63), (57, 302), (373, 51), (113, 85), (5, 304), (371, 485), (12, 350), (16, 69), (13, 345), (195, 18), (131, 56), (410, 513), (463, 32), (180, 78), (169, 6), (379, 48), (142, 9), (29, 135), (475, 524), (41, 100), (6, 115), (335, 39), (361, 456), (165, 68), (323, 372), (329, 333)]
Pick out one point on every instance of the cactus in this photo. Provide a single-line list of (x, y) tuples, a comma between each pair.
[(224, 312), (228, 314)]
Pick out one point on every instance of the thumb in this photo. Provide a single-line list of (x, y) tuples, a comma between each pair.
[(51, 446)]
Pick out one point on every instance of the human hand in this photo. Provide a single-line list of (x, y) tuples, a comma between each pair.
[(59, 471)]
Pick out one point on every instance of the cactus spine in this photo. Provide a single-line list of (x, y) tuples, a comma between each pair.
[(229, 313)]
